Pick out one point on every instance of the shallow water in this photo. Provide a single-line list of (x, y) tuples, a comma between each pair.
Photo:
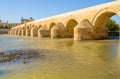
[(66, 59)]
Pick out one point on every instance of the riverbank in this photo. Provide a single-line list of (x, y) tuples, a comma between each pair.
[(4, 31)]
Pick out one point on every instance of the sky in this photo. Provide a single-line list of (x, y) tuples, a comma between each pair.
[(13, 10)]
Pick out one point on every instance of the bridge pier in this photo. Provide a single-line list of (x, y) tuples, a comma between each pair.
[(23, 32), (16, 31), (19, 32), (28, 32), (34, 31), (43, 32), (83, 31), (58, 31), (100, 33)]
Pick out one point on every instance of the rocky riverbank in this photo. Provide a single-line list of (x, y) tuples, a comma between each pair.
[(23, 55)]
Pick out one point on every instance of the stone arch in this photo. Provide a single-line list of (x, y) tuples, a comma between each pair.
[(31, 26), (105, 14), (66, 20), (34, 31), (99, 21), (39, 26), (52, 25), (70, 27)]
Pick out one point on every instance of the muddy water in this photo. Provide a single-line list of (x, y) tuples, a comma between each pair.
[(65, 59)]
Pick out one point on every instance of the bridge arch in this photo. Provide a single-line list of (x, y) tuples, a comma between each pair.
[(105, 14), (52, 24), (39, 26), (70, 27), (100, 20)]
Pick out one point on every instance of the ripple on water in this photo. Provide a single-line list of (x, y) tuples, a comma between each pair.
[(66, 59)]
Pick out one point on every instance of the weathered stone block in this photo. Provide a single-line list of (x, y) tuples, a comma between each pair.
[(23, 32), (28, 32), (58, 31), (83, 31), (34, 31), (44, 32)]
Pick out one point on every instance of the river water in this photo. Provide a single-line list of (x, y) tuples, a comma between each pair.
[(65, 59)]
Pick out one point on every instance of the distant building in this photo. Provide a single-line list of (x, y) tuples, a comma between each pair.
[(7, 25), (26, 20)]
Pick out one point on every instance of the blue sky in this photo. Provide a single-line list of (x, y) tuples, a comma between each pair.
[(13, 10)]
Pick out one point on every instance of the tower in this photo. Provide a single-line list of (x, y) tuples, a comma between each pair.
[(1, 24)]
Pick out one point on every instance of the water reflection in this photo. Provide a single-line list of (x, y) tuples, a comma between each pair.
[(1, 73), (67, 59)]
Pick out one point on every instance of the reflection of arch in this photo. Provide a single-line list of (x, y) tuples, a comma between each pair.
[(51, 25), (70, 27)]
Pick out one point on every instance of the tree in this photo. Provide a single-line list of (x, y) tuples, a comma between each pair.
[(112, 25)]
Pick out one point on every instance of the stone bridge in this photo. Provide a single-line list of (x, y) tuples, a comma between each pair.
[(84, 24)]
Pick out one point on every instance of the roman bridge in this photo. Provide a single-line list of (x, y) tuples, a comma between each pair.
[(84, 24)]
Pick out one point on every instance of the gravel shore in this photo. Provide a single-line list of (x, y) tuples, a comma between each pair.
[(22, 55)]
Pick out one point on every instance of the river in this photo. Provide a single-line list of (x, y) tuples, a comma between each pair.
[(65, 59)]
